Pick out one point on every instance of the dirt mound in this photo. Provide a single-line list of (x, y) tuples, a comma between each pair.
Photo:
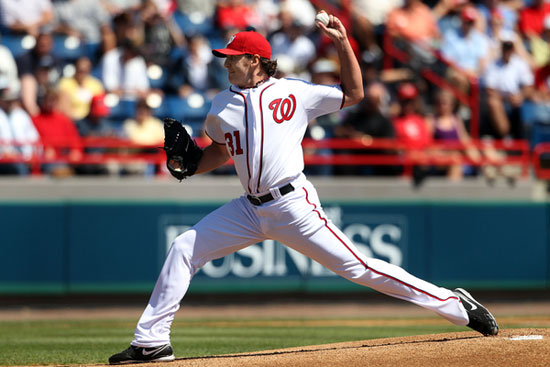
[(512, 347)]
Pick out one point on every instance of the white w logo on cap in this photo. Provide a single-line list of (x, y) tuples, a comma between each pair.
[(231, 40)]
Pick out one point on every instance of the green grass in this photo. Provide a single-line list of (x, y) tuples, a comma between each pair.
[(93, 341)]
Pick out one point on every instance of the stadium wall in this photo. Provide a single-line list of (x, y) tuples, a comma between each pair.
[(75, 246)]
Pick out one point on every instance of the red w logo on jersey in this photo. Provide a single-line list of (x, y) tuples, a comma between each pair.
[(283, 109)]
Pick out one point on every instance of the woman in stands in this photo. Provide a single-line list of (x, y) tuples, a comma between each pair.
[(448, 127)]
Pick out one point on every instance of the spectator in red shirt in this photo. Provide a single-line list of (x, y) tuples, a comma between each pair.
[(58, 135), (531, 18), (235, 14), (412, 129)]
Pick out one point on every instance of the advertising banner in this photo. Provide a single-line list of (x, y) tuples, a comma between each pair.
[(76, 247), (376, 233)]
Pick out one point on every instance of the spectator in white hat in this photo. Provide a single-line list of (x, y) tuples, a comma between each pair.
[(17, 130)]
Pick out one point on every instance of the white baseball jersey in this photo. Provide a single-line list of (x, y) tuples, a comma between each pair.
[(263, 128)]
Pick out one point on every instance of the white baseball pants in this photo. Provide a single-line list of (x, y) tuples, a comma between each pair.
[(298, 221)]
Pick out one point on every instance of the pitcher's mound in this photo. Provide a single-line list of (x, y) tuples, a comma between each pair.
[(512, 347)]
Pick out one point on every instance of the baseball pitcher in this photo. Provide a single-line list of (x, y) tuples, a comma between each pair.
[(259, 122)]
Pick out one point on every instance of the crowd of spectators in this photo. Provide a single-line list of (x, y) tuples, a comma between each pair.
[(73, 69)]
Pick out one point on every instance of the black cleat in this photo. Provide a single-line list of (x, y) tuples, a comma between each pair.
[(481, 319), (162, 353)]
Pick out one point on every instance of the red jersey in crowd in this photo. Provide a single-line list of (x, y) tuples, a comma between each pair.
[(531, 19), (239, 17), (58, 131), (413, 131)]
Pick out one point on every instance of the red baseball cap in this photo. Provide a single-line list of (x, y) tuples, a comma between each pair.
[(407, 91), (242, 43), (469, 13), (98, 107)]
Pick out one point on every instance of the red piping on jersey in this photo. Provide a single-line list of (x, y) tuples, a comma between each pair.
[(246, 129), (363, 263), (343, 100), (262, 139)]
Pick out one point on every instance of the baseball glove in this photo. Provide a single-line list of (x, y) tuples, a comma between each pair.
[(182, 153)]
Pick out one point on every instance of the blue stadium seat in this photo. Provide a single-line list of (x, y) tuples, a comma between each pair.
[(97, 71), (181, 109), (177, 53), (528, 114), (194, 24), (91, 50), (160, 82), (14, 43), (117, 126), (174, 107), (68, 48), (163, 110), (540, 133), (124, 109), (217, 42)]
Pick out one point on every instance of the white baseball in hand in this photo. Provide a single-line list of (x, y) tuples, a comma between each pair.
[(322, 17)]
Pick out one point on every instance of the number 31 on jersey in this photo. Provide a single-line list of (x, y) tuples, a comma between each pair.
[(234, 142)]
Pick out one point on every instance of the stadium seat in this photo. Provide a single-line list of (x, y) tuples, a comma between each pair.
[(17, 44), (124, 109), (158, 77), (91, 50), (194, 23), (528, 115), (177, 53), (163, 110), (158, 83), (117, 125), (189, 110), (174, 107), (217, 42), (97, 71), (68, 48), (540, 133)]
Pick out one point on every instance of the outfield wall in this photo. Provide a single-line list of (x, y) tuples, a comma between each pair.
[(97, 246)]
